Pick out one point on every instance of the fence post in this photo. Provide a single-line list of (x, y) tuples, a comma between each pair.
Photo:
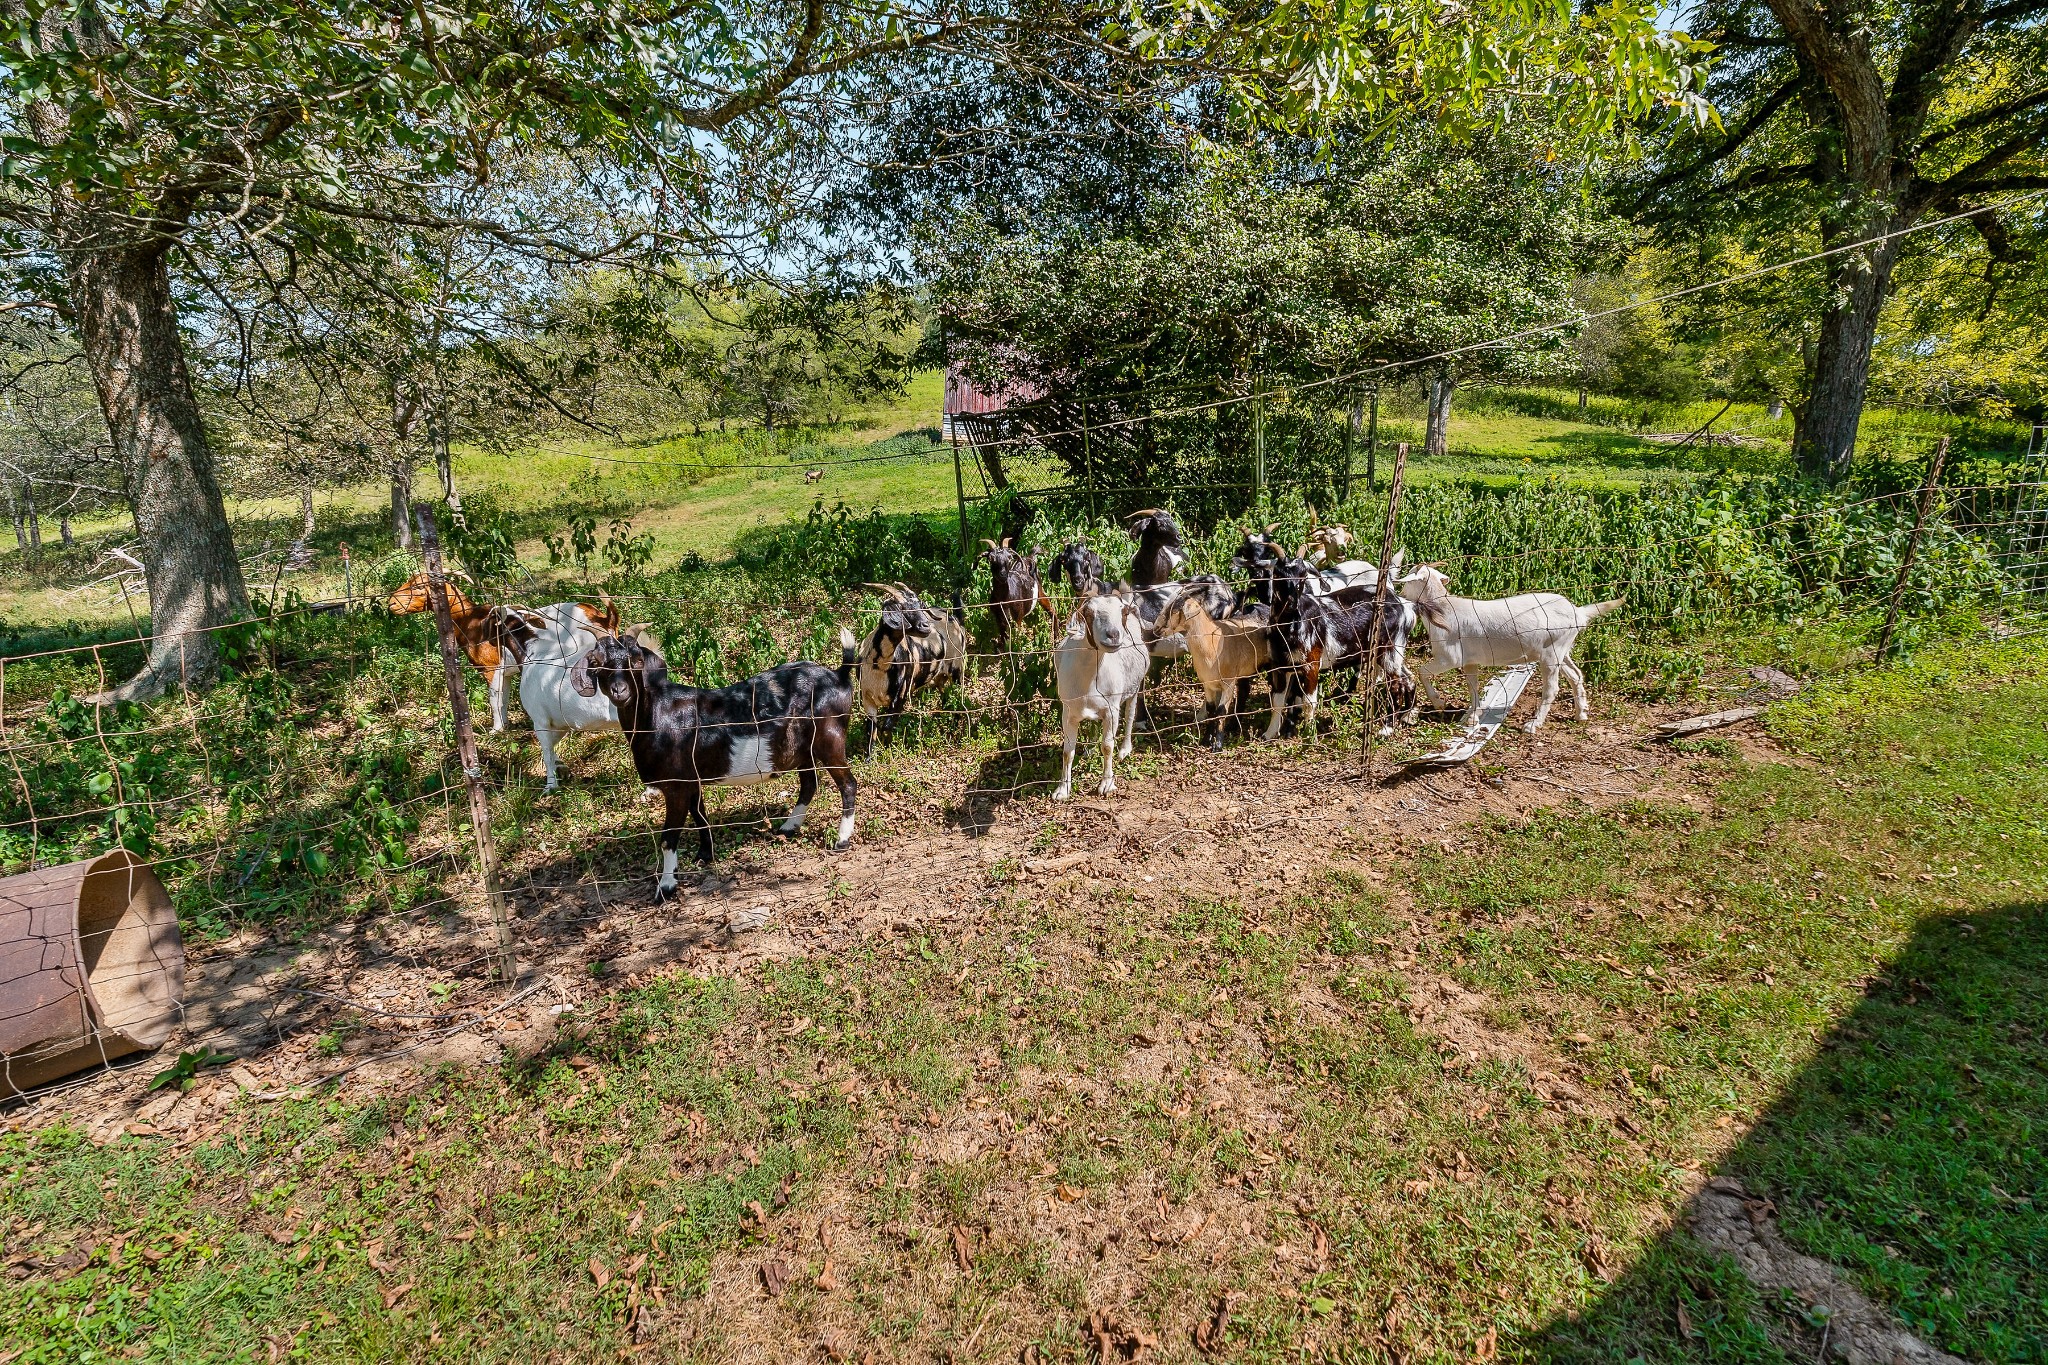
[(1350, 435), (959, 489), (1385, 589), (1891, 615), (1372, 441), (1258, 439), (465, 739)]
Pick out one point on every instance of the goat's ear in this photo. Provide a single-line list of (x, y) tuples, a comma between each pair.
[(579, 676)]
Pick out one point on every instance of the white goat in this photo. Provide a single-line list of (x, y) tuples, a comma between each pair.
[(567, 632), (1100, 668), (1476, 636)]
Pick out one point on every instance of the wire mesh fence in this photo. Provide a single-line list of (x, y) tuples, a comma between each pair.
[(326, 782)]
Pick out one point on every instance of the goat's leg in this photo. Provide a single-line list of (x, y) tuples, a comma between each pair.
[(1130, 723), (1578, 681), (498, 699), (842, 778), (1551, 672), (705, 853), (1280, 688), (1070, 735), (1109, 720), (547, 754), (806, 788), (869, 712), (1475, 691), (671, 834)]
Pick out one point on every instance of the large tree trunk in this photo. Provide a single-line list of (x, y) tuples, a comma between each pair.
[(401, 500), (1436, 439), (1841, 370), (121, 301)]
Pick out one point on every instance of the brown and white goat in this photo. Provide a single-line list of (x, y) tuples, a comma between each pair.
[(913, 646), (494, 637), (1227, 655)]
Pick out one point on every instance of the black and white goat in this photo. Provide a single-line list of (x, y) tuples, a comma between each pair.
[(912, 647), (1161, 552), (1014, 591), (790, 719), (1298, 637), (1369, 633)]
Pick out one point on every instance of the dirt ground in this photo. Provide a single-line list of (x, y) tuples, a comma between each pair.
[(374, 1003)]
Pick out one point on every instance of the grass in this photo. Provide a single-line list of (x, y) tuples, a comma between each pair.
[(1435, 1106)]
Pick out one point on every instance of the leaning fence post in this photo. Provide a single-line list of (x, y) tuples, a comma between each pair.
[(465, 740), (1386, 582), (1891, 615)]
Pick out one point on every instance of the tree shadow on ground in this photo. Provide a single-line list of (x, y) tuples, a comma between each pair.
[(1912, 1154)]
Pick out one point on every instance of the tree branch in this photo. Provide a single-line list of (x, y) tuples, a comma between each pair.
[(1734, 141)]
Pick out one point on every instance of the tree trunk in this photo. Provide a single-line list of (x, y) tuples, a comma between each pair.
[(305, 512), (1436, 440), (20, 528), (401, 501), (128, 326), (1582, 400), (1841, 369), (64, 528), (35, 525), (1777, 408)]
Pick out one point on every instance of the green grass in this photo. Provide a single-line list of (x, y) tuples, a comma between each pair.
[(1825, 976)]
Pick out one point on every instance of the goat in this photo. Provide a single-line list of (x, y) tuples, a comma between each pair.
[(1476, 636), (1014, 591), (1100, 669), (566, 632), (1369, 632), (813, 475), (1326, 545), (790, 719), (1161, 553), (1298, 637), (1227, 655), (912, 647), (494, 638), (1082, 568)]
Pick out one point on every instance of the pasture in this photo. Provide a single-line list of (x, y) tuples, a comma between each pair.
[(1255, 1059)]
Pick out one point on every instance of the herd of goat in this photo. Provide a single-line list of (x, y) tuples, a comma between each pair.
[(1300, 619)]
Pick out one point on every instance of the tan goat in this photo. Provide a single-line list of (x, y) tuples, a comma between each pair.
[(1226, 654)]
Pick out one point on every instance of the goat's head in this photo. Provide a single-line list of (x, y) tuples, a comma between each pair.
[(1425, 584), (1153, 526), (1080, 566), (903, 613), (615, 666), (1327, 542), (1107, 621), (416, 595)]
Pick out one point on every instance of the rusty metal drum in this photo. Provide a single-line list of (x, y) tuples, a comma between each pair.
[(91, 968)]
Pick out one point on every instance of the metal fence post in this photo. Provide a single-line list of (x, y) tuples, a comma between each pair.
[(1258, 439), (465, 740), (1891, 615), (1372, 440)]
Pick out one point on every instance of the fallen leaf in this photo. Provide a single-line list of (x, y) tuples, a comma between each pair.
[(1685, 1324), (963, 1248), (782, 1192), (599, 1273), (774, 1276), (1585, 1039), (392, 1296), (1068, 1194), (797, 1027), (828, 1278), (756, 1214), (1209, 1331), (1487, 1347), (833, 1343)]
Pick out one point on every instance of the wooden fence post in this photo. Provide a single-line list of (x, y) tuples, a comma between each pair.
[(465, 740), (1891, 615), (959, 489)]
